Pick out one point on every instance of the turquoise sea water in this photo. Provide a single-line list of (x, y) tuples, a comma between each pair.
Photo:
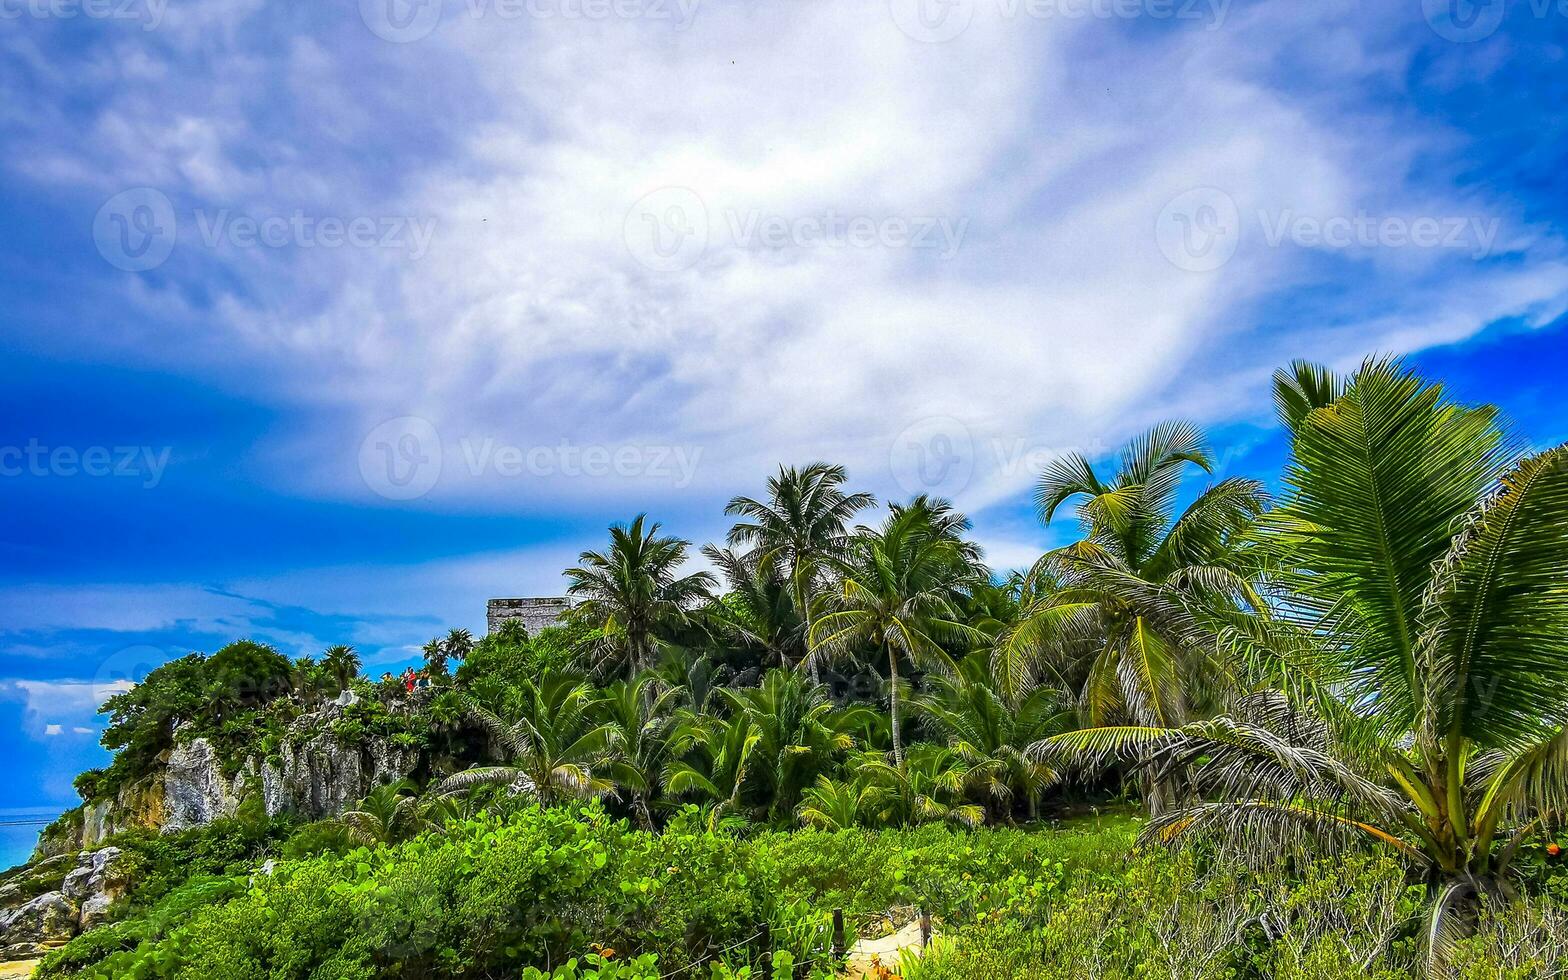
[(19, 827)]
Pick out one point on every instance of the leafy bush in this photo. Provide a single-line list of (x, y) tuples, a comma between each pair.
[(1183, 915), (948, 872), (491, 896), (572, 894)]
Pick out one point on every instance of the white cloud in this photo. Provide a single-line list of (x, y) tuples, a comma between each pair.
[(1059, 323), (52, 706)]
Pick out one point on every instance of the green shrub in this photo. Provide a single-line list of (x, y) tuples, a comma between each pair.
[(491, 896), (1183, 915), (949, 872), (576, 895)]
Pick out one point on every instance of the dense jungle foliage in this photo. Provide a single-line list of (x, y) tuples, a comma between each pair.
[(1337, 712)]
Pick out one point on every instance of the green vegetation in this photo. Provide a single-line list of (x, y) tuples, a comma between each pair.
[(1340, 717)]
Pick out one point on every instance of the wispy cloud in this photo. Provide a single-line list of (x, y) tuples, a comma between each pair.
[(541, 350)]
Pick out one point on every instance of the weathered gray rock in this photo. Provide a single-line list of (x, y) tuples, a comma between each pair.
[(49, 918), (95, 911), (89, 890), (314, 775), (195, 790), (322, 777), (97, 883), (97, 823)]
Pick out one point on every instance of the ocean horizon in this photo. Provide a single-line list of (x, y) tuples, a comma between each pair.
[(19, 829)]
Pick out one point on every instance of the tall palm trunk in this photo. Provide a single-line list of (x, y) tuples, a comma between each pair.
[(641, 660), (898, 742), (803, 607)]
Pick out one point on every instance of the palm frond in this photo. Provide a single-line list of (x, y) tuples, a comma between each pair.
[(1494, 639)]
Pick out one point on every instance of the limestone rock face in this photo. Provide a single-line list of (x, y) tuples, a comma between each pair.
[(50, 918), (137, 806), (322, 777), (97, 883), (313, 775), (96, 825), (195, 790)]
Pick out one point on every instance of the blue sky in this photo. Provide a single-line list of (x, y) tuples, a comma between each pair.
[(325, 322)]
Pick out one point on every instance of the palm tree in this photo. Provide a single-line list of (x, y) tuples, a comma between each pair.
[(634, 588), (992, 607), (759, 609), (927, 787), (641, 715), (1424, 639), (307, 676), (799, 733), (342, 663), (390, 814), (833, 804), (895, 597), (1135, 607), (511, 633), (457, 645), (445, 718), (993, 736), (435, 657), (803, 523), (716, 763), (695, 680), (553, 745)]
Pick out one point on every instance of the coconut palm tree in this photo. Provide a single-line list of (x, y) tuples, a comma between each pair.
[(342, 663), (799, 733), (554, 745), (802, 524), (1424, 642), (439, 652), (758, 611), (1131, 612), (641, 714), (457, 645), (972, 718), (994, 606), (715, 764), (632, 589), (895, 597)]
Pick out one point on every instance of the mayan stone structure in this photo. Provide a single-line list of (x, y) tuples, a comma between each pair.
[(535, 614)]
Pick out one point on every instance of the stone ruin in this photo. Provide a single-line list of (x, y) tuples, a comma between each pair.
[(535, 614)]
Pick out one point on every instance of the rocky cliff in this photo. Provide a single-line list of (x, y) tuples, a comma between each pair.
[(313, 774), (54, 900)]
